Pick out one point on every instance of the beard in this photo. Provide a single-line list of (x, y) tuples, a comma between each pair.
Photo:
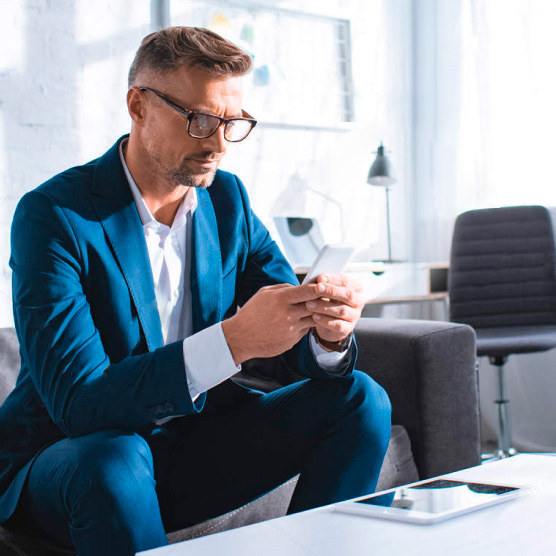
[(183, 175)]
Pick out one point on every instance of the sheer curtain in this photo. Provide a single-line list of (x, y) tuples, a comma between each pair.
[(508, 111), (484, 137), (485, 111)]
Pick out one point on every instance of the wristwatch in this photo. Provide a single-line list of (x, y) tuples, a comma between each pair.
[(339, 346)]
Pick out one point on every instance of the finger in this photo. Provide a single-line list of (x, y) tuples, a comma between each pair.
[(301, 294), (304, 326), (330, 326), (335, 279), (341, 280), (334, 309), (340, 294), (307, 323), (276, 287), (300, 311)]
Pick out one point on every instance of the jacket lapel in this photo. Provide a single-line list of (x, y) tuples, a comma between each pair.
[(206, 265), (112, 201)]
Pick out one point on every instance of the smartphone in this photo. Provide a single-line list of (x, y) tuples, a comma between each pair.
[(331, 259)]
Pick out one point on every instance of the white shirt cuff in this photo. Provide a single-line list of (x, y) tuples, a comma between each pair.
[(328, 360), (208, 360)]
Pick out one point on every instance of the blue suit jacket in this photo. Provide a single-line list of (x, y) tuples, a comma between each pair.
[(92, 353)]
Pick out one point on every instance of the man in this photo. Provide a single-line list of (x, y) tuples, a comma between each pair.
[(127, 277)]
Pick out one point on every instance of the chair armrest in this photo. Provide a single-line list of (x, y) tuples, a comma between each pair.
[(428, 369)]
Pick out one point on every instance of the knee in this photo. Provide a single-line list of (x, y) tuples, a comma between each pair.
[(371, 404), (112, 463), (369, 394), (358, 391)]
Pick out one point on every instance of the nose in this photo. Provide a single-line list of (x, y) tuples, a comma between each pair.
[(216, 142)]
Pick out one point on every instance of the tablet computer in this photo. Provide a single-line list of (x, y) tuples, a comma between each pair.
[(431, 501)]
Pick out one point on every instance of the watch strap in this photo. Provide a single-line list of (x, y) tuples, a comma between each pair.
[(339, 346)]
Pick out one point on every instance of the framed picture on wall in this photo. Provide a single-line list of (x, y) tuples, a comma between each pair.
[(301, 73)]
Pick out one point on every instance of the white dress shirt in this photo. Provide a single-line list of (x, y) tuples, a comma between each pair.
[(207, 357)]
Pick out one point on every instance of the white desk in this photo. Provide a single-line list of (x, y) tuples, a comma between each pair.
[(400, 283), (402, 291), (392, 283), (524, 526)]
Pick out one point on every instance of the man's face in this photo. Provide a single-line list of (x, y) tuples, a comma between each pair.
[(171, 153)]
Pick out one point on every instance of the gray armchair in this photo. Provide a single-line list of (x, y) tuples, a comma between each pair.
[(428, 370)]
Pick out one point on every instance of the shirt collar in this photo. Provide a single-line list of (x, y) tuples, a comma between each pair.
[(188, 204)]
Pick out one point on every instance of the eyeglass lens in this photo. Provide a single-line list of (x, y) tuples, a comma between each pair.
[(203, 125)]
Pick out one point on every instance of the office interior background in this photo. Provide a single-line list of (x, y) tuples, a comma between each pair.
[(461, 93)]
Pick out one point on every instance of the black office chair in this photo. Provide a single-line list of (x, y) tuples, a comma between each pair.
[(502, 282)]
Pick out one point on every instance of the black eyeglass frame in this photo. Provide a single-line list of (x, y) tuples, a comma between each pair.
[(189, 114)]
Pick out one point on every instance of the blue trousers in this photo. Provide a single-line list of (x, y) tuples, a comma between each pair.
[(115, 492)]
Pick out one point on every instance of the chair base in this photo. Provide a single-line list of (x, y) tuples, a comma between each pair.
[(505, 448)]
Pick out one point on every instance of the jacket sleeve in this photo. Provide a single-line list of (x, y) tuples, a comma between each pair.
[(83, 390), (266, 265)]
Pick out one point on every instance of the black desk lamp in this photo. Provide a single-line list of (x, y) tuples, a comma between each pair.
[(380, 174)]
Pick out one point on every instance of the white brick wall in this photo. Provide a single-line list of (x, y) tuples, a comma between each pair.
[(63, 73)]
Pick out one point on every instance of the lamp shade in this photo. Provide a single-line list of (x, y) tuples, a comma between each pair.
[(381, 170)]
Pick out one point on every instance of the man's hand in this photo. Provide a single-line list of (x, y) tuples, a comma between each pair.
[(271, 322), (339, 308)]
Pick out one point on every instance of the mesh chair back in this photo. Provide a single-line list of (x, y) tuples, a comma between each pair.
[(502, 268)]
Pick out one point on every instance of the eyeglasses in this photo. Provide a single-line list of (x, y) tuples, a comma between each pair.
[(201, 125)]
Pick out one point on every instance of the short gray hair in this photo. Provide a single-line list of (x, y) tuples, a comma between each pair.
[(192, 47)]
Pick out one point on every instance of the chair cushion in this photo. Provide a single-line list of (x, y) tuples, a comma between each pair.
[(9, 361), (399, 466), (515, 339), (398, 469), (271, 505)]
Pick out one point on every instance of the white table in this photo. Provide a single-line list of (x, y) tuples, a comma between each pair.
[(524, 526)]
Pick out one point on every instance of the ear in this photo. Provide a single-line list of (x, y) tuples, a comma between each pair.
[(136, 105)]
